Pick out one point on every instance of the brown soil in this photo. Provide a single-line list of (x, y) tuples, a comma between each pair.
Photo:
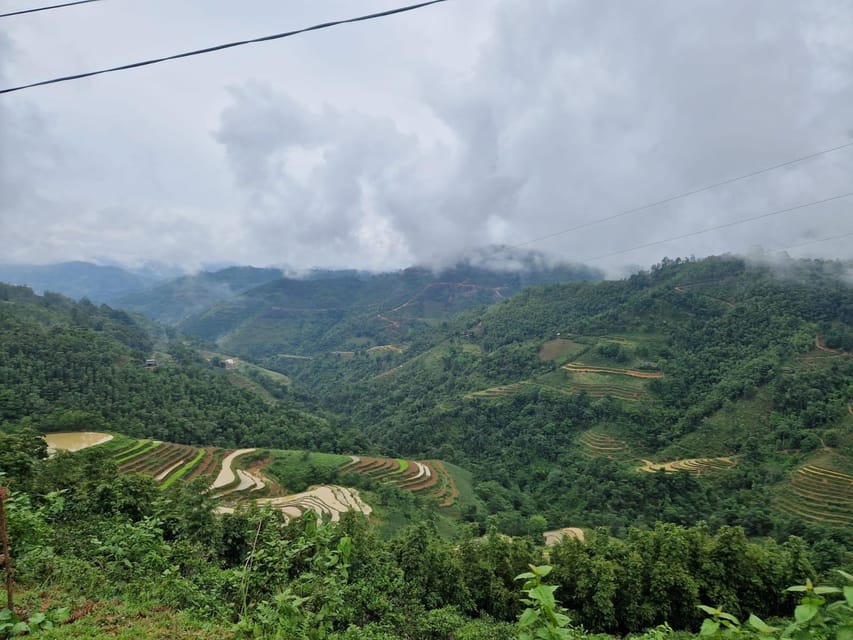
[(206, 465), (424, 483)]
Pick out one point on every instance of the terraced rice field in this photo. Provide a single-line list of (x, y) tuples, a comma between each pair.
[(819, 494), (696, 466), (232, 481), (598, 444), (428, 478), (633, 373), (165, 462), (326, 501)]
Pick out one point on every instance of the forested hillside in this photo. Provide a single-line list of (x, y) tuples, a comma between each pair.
[(67, 366), (77, 280), (740, 367), (175, 300), (714, 392), (347, 310)]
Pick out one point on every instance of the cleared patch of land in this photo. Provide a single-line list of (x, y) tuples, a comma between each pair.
[(561, 348), (696, 466), (580, 368), (556, 536), (497, 392)]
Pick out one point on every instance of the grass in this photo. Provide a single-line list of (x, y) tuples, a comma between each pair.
[(463, 480), (117, 621), (119, 444), (561, 350), (144, 447), (184, 470), (296, 470)]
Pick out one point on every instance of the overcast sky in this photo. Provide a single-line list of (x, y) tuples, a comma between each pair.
[(416, 138)]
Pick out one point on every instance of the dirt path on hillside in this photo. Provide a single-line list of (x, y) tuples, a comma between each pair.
[(226, 473)]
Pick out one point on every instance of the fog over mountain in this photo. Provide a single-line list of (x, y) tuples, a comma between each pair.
[(418, 138)]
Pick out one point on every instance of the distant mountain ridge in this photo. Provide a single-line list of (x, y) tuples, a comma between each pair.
[(98, 283), (173, 301), (337, 310)]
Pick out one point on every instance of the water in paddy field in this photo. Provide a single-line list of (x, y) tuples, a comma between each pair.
[(74, 441)]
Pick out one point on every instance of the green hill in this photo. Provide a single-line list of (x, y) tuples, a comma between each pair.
[(68, 366), (172, 301), (346, 310), (693, 360)]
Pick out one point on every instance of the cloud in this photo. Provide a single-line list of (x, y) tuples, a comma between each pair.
[(418, 139), (572, 112)]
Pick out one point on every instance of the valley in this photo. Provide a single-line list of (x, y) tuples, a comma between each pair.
[(446, 421)]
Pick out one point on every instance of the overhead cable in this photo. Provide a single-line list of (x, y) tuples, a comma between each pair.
[(685, 194), (721, 226), (220, 47), (53, 6), (816, 240)]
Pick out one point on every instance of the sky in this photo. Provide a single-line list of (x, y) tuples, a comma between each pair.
[(423, 137)]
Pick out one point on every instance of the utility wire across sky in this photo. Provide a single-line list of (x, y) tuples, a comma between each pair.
[(721, 226), (220, 47), (48, 8), (685, 194)]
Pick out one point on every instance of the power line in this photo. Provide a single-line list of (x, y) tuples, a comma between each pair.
[(53, 6), (220, 47), (721, 226), (685, 194), (807, 242)]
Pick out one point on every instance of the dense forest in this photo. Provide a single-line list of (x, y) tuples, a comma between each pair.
[(733, 345), (693, 418)]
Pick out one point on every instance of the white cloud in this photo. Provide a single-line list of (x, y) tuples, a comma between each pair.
[(417, 138)]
